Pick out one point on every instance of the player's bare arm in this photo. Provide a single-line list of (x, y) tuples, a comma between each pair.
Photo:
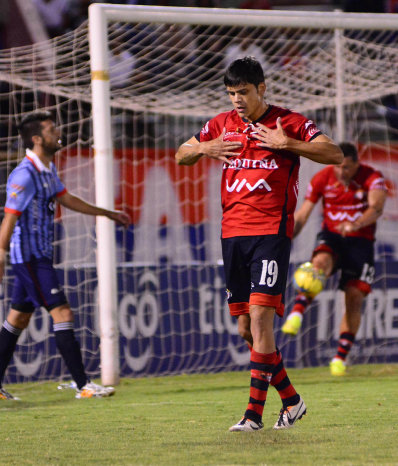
[(77, 204), (376, 201), (6, 229), (192, 150), (301, 216), (321, 149)]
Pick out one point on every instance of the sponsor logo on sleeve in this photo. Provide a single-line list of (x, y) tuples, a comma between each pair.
[(310, 128), (17, 187), (378, 183), (205, 129), (312, 131)]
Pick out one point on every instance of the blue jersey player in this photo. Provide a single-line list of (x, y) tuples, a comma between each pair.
[(27, 231)]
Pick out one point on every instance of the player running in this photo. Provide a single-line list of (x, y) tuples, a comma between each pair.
[(259, 145), (28, 226), (353, 197)]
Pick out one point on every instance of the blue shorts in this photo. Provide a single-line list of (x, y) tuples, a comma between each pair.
[(256, 269), (36, 285)]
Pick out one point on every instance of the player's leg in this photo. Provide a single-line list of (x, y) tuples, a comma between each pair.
[(69, 348), (356, 279), (12, 328), (282, 384), (324, 260), (269, 266), (237, 255), (38, 283), (262, 361), (349, 326), (321, 261), (351, 320), (244, 329), (237, 280), (41, 284), (293, 407), (267, 368), (67, 344), (17, 320)]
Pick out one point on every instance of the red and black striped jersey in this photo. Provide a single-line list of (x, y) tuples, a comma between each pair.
[(259, 189)]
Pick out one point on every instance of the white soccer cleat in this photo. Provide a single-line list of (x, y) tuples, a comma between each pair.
[(246, 425), (288, 416), (92, 390)]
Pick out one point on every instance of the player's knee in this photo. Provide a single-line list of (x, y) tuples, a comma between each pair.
[(323, 261), (19, 319), (355, 294), (357, 288), (246, 334), (62, 314), (244, 328)]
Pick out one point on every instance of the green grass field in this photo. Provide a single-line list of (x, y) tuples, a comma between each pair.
[(184, 420)]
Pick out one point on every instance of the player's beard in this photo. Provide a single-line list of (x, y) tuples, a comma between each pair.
[(51, 149)]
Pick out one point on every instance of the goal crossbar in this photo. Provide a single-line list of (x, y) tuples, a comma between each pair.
[(229, 17)]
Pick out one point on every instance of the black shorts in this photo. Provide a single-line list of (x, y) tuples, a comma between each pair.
[(353, 256), (256, 269)]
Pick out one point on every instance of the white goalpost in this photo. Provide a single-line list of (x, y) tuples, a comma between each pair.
[(127, 88), (104, 193)]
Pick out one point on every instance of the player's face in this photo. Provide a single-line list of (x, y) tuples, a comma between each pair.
[(51, 139), (346, 170), (248, 100)]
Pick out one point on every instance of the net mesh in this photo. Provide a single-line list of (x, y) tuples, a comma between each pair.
[(166, 82)]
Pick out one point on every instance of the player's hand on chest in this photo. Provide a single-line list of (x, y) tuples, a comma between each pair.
[(244, 135)]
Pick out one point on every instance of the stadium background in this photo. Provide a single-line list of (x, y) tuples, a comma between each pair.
[(171, 312)]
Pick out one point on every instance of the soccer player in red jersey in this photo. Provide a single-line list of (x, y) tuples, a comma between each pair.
[(260, 146), (353, 197)]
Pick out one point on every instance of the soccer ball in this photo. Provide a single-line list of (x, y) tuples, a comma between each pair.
[(307, 280)]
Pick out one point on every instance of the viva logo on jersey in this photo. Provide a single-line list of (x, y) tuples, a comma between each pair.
[(343, 216), (238, 185)]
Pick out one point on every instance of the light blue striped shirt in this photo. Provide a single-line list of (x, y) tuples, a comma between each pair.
[(31, 192)]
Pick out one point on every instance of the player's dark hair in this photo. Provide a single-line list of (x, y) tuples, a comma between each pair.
[(349, 150), (245, 70), (31, 126)]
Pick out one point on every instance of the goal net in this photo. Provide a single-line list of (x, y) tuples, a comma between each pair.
[(166, 70)]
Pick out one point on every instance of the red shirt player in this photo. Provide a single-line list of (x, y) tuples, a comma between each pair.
[(353, 197), (259, 145)]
